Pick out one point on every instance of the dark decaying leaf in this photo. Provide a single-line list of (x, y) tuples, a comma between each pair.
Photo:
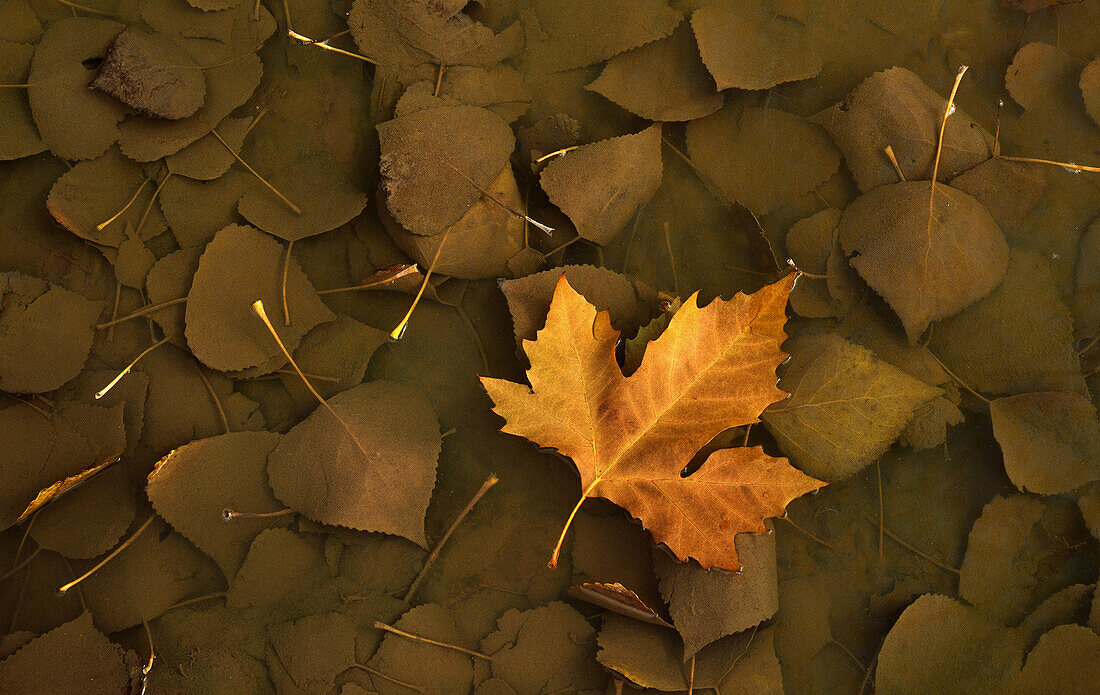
[(75, 122), (929, 256), (602, 185), (151, 74), (241, 265), (227, 87), (378, 477)]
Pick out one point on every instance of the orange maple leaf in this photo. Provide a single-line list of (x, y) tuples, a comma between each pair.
[(713, 368)]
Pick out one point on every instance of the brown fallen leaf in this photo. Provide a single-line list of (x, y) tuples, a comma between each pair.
[(19, 137), (929, 256), (663, 81), (1090, 89), (748, 47), (67, 659), (896, 108), (630, 437), (618, 599), (418, 152), (151, 74), (376, 473), (602, 185), (75, 122), (1050, 441)]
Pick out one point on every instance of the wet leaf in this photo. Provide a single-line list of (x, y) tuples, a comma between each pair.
[(377, 477), (402, 33), (1010, 567), (664, 80), (617, 454), (628, 301), (930, 649), (762, 158), (240, 266), (1050, 441), (846, 406), (896, 108), (1019, 339), (89, 519), (434, 669), (68, 659), (20, 136), (315, 650), (423, 150), (1066, 659), (227, 87), (1090, 89), (561, 37), (326, 191), (194, 485), (749, 48), (151, 74), (929, 256), (707, 605), (602, 185), (544, 650), (207, 159), (151, 574), (46, 333), (279, 564), (75, 122), (90, 194)]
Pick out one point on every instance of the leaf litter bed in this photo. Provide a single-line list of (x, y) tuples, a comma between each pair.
[(531, 347)]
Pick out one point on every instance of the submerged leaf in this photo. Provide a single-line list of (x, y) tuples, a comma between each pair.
[(1051, 440), (602, 185), (378, 477), (929, 256), (67, 659), (846, 406), (427, 157), (46, 333), (748, 47), (238, 267), (663, 80), (74, 121)]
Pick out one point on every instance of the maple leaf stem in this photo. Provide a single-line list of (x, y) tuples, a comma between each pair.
[(399, 329), (148, 309), (282, 284), (26, 561), (297, 210), (553, 563), (213, 396), (103, 225)]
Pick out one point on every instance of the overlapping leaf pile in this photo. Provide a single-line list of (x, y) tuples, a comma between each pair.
[(312, 315)]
